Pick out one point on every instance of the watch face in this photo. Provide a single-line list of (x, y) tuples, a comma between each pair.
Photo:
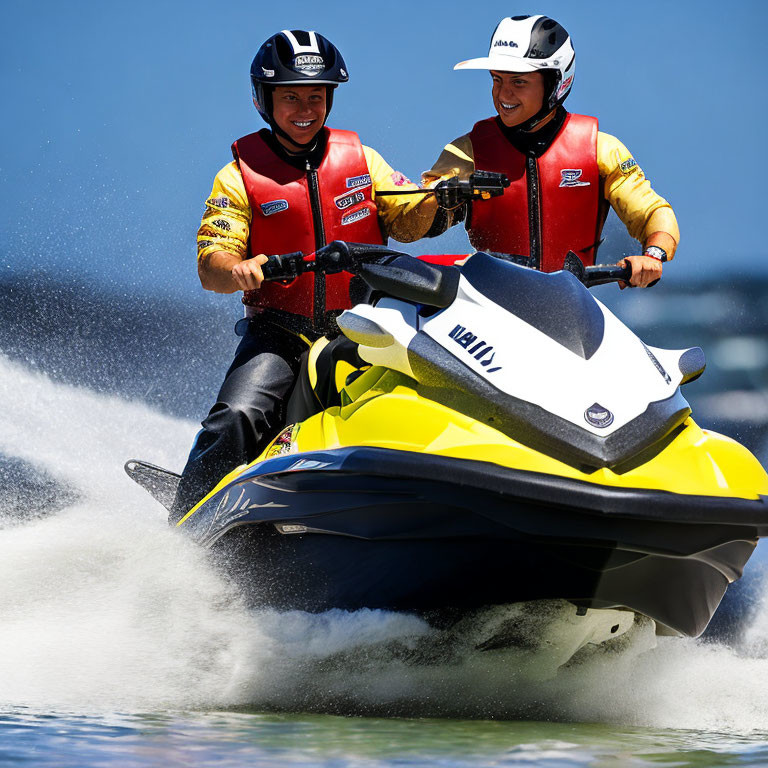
[(656, 253)]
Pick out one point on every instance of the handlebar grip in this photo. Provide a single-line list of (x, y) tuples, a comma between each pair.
[(340, 255), (606, 273), (283, 266)]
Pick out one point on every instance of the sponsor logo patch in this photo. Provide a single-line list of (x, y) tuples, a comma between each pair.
[(353, 182), (479, 349), (505, 44), (309, 64), (628, 166), (570, 177), (268, 72), (348, 199), (353, 216), (219, 202), (222, 224), (598, 416), (274, 206)]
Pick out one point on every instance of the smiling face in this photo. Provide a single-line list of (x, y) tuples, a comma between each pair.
[(299, 110), (517, 96)]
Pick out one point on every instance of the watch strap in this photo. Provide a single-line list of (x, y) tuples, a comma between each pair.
[(655, 252)]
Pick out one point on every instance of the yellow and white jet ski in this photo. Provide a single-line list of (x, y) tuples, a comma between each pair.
[(503, 438)]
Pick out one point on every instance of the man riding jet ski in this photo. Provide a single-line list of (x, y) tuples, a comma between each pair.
[(488, 452), (292, 187), (564, 173)]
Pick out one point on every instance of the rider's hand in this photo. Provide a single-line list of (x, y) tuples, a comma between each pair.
[(645, 270), (247, 273), (447, 194)]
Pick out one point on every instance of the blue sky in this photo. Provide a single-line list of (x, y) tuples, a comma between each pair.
[(118, 115)]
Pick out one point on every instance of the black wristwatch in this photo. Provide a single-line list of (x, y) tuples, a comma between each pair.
[(655, 252)]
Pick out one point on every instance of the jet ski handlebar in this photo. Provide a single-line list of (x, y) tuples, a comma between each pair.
[(601, 274), (337, 256), (340, 256)]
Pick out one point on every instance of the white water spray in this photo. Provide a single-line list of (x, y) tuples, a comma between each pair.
[(102, 607)]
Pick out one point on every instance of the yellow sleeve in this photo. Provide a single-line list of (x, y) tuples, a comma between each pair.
[(456, 159), (630, 194), (399, 215), (402, 216), (227, 216)]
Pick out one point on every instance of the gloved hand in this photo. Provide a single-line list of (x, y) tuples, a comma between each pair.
[(447, 194)]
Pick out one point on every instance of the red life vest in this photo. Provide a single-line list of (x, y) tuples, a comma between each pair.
[(554, 203), (298, 210)]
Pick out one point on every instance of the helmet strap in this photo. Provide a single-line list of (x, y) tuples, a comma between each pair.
[(532, 123)]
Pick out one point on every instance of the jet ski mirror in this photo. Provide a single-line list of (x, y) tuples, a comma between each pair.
[(575, 266), (692, 364)]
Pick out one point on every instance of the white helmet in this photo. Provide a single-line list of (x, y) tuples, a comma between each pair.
[(532, 44)]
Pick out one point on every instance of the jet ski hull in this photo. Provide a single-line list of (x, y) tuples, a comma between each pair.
[(362, 528), (494, 435)]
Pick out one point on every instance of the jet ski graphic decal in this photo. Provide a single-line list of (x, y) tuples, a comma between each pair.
[(479, 349)]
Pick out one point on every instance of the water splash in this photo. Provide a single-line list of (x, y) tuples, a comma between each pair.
[(103, 608)]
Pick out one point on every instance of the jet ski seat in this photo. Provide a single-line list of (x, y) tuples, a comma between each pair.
[(326, 368)]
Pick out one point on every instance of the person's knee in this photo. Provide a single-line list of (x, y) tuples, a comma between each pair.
[(236, 417)]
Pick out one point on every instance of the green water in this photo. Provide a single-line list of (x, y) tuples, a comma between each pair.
[(237, 739)]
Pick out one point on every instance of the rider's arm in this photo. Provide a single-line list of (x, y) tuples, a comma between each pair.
[(403, 217), (647, 216), (222, 240), (456, 159)]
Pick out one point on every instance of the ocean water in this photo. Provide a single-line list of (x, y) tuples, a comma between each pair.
[(121, 643)]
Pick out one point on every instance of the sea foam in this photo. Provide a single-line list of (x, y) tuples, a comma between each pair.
[(102, 607)]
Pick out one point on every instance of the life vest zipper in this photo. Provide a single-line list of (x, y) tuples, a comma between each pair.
[(534, 211), (319, 293)]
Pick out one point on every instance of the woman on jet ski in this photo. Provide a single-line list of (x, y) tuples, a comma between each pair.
[(293, 187), (564, 172)]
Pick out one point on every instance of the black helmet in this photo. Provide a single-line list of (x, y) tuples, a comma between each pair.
[(295, 57)]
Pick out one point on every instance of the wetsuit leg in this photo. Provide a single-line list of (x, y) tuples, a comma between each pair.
[(248, 412)]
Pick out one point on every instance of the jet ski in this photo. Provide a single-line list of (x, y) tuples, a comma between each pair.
[(488, 435)]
